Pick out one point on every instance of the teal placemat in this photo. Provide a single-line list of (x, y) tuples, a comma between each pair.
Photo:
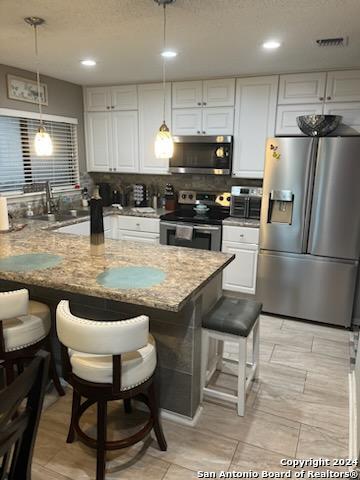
[(28, 262), (131, 277)]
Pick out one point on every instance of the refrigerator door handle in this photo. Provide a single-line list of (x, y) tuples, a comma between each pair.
[(309, 196)]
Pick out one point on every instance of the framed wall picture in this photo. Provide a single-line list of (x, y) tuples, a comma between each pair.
[(26, 90)]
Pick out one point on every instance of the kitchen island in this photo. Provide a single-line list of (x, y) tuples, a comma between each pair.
[(189, 284)]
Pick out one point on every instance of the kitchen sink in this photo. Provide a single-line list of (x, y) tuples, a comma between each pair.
[(62, 216)]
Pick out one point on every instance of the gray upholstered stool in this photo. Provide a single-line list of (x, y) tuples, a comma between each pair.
[(231, 320)]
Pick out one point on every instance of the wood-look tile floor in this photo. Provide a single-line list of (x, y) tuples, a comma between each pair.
[(297, 409)]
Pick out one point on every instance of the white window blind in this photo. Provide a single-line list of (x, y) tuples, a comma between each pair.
[(19, 164)]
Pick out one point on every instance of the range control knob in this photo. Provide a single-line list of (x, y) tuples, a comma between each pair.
[(183, 196), (191, 196), (228, 199), (221, 198)]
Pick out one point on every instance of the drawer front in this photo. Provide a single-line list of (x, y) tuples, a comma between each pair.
[(139, 224), (145, 237), (241, 234)]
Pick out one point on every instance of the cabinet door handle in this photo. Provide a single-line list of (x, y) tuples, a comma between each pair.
[(108, 107), (204, 131), (112, 106), (110, 169), (199, 103), (198, 132), (328, 98), (242, 235), (114, 169), (204, 103), (321, 98)]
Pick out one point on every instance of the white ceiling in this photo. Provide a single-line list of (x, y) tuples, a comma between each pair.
[(213, 37)]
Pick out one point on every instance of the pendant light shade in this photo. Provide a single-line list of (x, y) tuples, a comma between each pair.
[(42, 143), (164, 143)]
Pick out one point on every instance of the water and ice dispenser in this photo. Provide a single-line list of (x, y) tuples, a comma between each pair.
[(281, 206)]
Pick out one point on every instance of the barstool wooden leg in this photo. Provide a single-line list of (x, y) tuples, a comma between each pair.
[(241, 400), (74, 416), (154, 409), (220, 354), (204, 360), (52, 369), (101, 439), (256, 348)]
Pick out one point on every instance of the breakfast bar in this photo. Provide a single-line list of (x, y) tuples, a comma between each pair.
[(174, 286)]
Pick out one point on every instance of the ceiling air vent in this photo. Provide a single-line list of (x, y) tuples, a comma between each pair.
[(333, 42)]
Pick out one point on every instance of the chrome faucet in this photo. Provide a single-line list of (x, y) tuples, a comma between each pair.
[(50, 204)]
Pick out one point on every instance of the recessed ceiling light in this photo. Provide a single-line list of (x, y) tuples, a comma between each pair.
[(271, 44), (168, 54), (88, 63)]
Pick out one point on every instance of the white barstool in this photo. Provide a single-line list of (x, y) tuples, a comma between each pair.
[(105, 361), (231, 320), (24, 329)]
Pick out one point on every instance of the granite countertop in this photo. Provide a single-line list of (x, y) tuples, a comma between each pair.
[(241, 222), (128, 211), (187, 270)]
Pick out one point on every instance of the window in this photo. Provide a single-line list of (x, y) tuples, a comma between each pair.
[(19, 165)]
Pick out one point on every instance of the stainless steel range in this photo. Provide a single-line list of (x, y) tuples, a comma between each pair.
[(197, 223)]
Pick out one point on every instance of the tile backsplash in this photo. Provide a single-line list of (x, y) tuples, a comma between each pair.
[(180, 182)]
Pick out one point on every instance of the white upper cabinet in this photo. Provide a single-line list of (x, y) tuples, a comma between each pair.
[(208, 93), (302, 88), (187, 121), (125, 144), (187, 94), (255, 112), (219, 93), (218, 121), (350, 112), (101, 99), (286, 117), (206, 121), (98, 141), (97, 99), (150, 98), (343, 86), (124, 97)]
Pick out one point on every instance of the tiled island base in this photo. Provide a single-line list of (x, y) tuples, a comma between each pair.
[(177, 334)]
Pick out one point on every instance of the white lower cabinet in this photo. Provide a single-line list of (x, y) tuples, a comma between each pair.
[(138, 229), (122, 227), (146, 237), (83, 228), (240, 274)]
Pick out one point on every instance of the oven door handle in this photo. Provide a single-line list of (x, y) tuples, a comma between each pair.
[(206, 228), (195, 227)]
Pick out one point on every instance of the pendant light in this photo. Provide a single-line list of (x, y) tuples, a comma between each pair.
[(164, 144), (43, 143)]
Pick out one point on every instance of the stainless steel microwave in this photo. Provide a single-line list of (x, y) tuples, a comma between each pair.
[(202, 154)]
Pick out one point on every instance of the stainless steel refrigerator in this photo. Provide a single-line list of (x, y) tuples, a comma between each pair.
[(310, 228)]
